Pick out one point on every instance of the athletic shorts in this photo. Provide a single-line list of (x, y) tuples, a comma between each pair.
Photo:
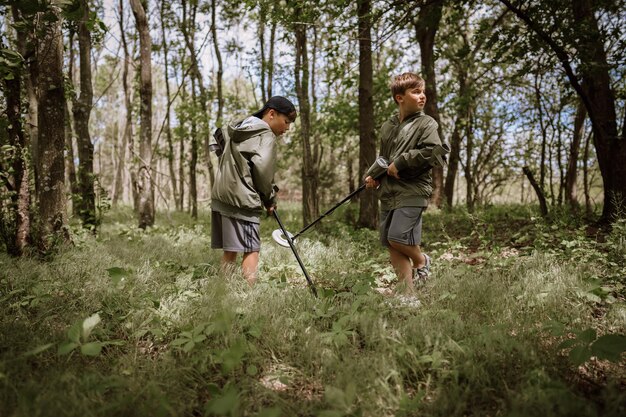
[(234, 235), (402, 225)]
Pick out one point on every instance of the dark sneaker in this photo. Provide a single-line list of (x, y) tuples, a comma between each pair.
[(421, 275)]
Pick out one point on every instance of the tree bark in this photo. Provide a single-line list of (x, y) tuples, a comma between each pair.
[(543, 206), (193, 162), (571, 175), (145, 184), (220, 67), (188, 36), (70, 134), (426, 28), (310, 199), (51, 141), (81, 110), (368, 207), (20, 192), (127, 134), (168, 127)]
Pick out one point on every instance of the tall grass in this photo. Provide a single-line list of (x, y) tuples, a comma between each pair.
[(176, 337)]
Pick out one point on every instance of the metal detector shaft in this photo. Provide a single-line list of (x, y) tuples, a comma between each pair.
[(295, 252), (348, 197)]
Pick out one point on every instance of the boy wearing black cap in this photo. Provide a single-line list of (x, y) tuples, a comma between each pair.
[(244, 184)]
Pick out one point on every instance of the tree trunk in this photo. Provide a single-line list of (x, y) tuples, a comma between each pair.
[(426, 29), (168, 127), (468, 169), (571, 175), (596, 85), (453, 161), (181, 151), (310, 208), (454, 158), (220, 69), (70, 133), (543, 206), (20, 191), (270, 63), (51, 141), (368, 208), (586, 184), (81, 110), (145, 185), (193, 189), (188, 35), (127, 138)]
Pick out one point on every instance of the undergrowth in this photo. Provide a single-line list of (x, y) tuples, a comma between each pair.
[(523, 317)]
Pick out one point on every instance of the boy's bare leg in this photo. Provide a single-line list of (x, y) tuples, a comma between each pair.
[(413, 252), (249, 266), (228, 260), (402, 265)]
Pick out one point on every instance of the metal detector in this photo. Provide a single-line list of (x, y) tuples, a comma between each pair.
[(437, 158), (295, 252), (281, 236)]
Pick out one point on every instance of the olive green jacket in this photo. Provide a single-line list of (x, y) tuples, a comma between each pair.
[(244, 183), (412, 146)]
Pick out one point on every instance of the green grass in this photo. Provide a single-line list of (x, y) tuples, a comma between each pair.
[(516, 322)]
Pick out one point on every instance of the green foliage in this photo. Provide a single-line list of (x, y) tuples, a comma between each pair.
[(170, 332)]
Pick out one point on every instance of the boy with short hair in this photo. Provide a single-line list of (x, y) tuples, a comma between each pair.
[(244, 185), (408, 140)]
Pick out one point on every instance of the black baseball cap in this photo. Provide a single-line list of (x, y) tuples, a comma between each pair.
[(281, 105)]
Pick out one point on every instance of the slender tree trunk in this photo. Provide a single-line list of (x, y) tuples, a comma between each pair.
[(544, 135), (82, 110), (181, 153), (571, 175), (145, 183), (51, 141), (193, 162), (261, 33), (368, 208), (20, 191), (70, 134), (586, 184), (188, 35), (426, 29), (538, 190), (270, 63), (468, 168), (453, 162), (310, 199), (454, 158), (220, 69), (127, 135), (168, 127)]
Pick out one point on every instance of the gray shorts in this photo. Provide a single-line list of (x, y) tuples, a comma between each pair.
[(234, 235), (402, 225)]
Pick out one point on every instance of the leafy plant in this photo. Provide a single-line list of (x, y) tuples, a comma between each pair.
[(78, 337)]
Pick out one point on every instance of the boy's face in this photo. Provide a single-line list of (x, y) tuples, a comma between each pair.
[(412, 101), (278, 122)]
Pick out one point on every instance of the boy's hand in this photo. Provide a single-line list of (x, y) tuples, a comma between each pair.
[(371, 182), (393, 171), (270, 209)]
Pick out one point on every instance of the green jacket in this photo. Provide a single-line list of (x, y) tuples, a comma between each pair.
[(409, 145), (244, 183)]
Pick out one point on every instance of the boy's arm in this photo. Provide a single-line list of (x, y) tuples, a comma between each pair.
[(263, 163)]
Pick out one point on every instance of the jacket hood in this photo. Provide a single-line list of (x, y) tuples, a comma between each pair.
[(243, 129)]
